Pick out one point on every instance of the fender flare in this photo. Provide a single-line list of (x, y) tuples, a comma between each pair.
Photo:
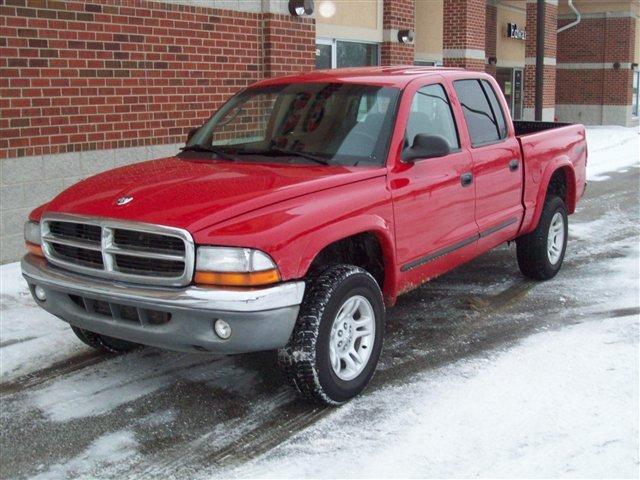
[(347, 227), (564, 164)]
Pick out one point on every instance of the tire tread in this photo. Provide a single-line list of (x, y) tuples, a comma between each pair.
[(297, 359)]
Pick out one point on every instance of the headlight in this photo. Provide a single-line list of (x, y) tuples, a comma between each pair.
[(32, 238), (234, 267)]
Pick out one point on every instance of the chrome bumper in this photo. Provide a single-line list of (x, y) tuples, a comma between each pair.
[(260, 319)]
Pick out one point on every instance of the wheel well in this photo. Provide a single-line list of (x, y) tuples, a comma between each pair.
[(558, 185), (363, 250)]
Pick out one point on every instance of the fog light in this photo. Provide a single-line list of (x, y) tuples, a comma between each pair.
[(40, 293), (222, 328)]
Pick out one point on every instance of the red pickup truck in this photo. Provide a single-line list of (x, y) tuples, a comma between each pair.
[(298, 211)]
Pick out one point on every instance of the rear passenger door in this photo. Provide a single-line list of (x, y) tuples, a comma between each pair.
[(497, 169)]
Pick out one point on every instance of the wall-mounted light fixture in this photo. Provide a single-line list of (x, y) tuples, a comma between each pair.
[(616, 66), (634, 66), (405, 36), (298, 8), (492, 60)]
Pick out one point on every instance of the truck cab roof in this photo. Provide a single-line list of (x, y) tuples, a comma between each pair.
[(397, 76)]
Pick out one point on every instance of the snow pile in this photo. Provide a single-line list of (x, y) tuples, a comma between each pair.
[(611, 149)]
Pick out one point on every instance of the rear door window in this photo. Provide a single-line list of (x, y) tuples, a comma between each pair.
[(485, 122)]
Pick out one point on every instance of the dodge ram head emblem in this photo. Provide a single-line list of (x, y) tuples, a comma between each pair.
[(123, 201)]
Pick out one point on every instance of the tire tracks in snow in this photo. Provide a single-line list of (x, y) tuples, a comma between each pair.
[(52, 372)]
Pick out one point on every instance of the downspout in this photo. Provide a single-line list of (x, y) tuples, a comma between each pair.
[(572, 24)]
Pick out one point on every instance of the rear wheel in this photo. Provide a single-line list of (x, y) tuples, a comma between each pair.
[(336, 343), (103, 342), (541, 252)]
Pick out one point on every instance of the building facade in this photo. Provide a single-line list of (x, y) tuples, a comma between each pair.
[(94, 84)]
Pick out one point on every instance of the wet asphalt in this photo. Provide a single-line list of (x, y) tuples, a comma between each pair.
[(195, 414)]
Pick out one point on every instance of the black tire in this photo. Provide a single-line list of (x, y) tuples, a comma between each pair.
[(533, 257), (305, 359), (103, 342)]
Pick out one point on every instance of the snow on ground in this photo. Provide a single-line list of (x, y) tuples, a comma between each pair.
[(611, 149), (489, 417)]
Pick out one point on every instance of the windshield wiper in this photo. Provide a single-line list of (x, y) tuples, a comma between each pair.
[(286, 153), (220, 153)]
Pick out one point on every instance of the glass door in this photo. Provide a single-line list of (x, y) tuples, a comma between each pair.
[(517, 94), (510, 81)]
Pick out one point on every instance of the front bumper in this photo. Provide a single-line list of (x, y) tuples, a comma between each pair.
[(260, 319)]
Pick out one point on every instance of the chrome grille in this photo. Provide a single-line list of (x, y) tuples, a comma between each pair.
[(127, 251)]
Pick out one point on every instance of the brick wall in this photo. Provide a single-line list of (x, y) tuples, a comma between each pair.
[(464, 34), (589, 51), (80, 76), (289, 44), (397, 15), (491, 36)]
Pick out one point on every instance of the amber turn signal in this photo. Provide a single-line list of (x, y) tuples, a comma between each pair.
[(238, 279), (34, 249)]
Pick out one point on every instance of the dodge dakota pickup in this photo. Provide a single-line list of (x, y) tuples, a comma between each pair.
[(298, 212)]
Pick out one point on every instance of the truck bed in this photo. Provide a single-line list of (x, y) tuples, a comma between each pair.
[(523, 127)]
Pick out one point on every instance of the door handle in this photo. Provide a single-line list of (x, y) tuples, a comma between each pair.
[(466, 179), (514, 164)]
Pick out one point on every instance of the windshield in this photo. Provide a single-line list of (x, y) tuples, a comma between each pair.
[(328, 123)]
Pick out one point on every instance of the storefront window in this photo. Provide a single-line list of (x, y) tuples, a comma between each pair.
[(353, 54), (332, 53)]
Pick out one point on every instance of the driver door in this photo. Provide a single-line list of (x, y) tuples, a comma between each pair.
[(433, 204)]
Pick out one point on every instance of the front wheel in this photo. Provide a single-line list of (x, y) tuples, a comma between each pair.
[(541, 252), (336, 343)]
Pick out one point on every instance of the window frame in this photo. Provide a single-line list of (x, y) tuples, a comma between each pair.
[(480, 81), (453, 117)]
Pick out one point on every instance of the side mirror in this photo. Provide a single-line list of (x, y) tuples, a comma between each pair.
[(426, 146), (191, 133)]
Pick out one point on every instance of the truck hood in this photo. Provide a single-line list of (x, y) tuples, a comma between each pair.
[(195, 194)]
